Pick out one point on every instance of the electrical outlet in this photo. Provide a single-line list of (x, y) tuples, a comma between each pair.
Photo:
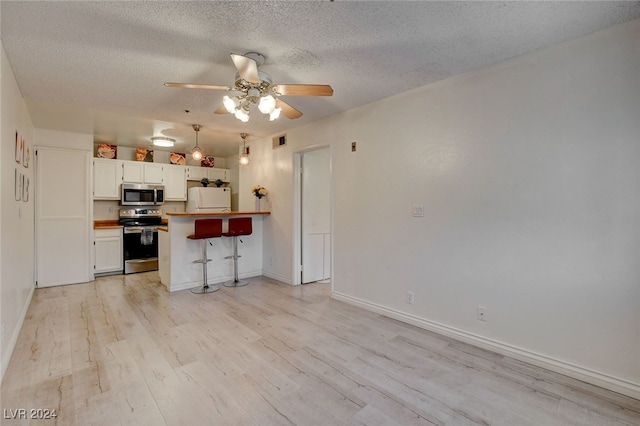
[(410, 297), (482, 313), (417, 210)]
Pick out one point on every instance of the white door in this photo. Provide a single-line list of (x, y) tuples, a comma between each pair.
[(316, 215), (63, 232)]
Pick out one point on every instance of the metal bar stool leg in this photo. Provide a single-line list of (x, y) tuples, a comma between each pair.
[(205, 287), (235, 282)]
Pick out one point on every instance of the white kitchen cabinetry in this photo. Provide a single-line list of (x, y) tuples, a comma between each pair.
[(132, 172), (153, 173), (214, 174), (175, 182), (107, 175), (140, 172), (211, 173), (196, 173), (108, 251)]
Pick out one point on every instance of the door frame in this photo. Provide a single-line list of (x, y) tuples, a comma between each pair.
[(297, 209)]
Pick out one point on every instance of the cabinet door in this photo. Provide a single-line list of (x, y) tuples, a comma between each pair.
[(108, 250), (196, 173), (215, 174), (132, 172), (153, 173), (175, 183), (107, 175)]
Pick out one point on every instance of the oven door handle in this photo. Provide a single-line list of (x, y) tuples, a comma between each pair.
[(138, 229)]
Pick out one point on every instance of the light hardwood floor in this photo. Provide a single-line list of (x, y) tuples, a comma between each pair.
[(122, 350)]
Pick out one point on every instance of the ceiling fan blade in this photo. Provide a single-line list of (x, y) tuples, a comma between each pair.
[(288, 110), (221, 110), (247, 68), (197, 86), (303, 89)]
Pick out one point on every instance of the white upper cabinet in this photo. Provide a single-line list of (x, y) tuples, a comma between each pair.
[(107, 175), (211, 173), (196, 172), (140, 172), (214, 174), (132, 172), (175, 182), (153, 173)]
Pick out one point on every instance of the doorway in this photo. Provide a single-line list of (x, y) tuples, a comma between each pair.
[(313, 204)]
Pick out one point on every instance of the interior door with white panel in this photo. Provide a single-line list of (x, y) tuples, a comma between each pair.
[(316, 216), (63, 216)]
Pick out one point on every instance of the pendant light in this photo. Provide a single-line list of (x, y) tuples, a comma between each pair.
[(196, 152), (244, 157)]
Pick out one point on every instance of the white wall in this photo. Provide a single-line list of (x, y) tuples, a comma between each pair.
[(528, 173), (16, 217)]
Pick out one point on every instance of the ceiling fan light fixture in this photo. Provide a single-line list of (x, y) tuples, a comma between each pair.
[(275, 114), (229, 104), (241, 115), (267, 104), (163, 141)]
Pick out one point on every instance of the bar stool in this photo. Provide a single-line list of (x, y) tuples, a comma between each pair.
[(205, 229), (238, 226)]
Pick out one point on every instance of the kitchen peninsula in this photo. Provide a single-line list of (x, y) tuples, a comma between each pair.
[(176, 253)]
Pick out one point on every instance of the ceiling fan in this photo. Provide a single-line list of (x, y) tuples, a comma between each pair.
[(256, 87)]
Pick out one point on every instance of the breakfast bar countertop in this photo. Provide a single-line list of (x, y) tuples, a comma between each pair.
[(219, 214)]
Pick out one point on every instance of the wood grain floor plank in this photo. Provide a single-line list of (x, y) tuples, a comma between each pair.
[(123, 351)]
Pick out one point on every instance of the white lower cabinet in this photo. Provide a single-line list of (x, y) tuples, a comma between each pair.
[(108, 251)]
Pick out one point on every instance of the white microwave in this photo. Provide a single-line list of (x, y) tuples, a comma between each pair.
[(134, 194)]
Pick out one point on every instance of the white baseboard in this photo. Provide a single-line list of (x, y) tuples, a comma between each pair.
[(6, 357), (278, 277), (603, 380)]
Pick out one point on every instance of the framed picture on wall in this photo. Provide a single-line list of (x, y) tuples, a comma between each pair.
[(18, 185), (26, 155), (25, 188), (207, 161), (19, 143)]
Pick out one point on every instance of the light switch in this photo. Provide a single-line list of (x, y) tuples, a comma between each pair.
[(417, 210)]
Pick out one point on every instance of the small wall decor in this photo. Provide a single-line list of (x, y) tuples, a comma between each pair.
[(19, 144), (207, 161), (106, 150), (25, 188), (177, 158), (145, 155), (26, 155), (279, 141), (18, 185)]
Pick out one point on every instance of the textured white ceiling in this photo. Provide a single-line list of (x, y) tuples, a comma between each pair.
[(99, 67)]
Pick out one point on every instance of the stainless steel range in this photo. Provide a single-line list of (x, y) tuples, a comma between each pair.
[(140, 245)]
